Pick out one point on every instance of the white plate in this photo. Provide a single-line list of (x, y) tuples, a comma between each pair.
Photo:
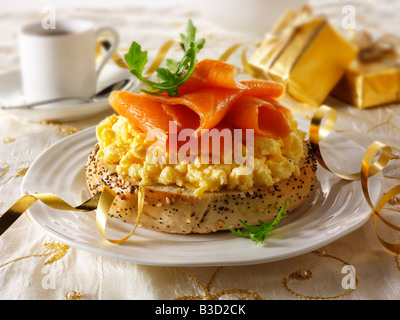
[(334, 209), (11, 94)]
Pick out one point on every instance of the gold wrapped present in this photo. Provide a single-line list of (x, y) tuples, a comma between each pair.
[(373, 79), (369, 84), (306, 53)]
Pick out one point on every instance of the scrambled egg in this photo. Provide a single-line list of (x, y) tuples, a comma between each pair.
[(123, 145)]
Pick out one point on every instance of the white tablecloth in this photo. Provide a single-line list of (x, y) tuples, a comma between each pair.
[(35, 266)]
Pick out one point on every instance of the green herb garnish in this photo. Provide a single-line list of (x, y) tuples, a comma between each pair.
[(178, 72), (259, 233)]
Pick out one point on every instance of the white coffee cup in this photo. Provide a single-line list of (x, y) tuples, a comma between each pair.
[(61, 62)]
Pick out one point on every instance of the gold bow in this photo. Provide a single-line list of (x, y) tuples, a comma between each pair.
[(370, 50)]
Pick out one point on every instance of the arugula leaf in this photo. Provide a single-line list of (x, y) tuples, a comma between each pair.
[(172, 65), (136, 59), (178, 72), (260, 232), (191, 37)]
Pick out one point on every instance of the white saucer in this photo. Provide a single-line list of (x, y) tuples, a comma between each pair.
[(11, 94)]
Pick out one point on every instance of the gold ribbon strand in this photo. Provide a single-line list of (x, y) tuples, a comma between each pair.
[(101, 202), (322, 123), (245, 62)]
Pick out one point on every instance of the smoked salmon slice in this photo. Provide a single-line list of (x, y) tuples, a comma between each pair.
[(264, 88), (260, 115), (211, 73), (209, 104), (210, 98), (145, 114), (217, 73)]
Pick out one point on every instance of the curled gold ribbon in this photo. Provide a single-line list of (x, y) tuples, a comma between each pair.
[(159, 57), (320, 128), (101, 202), (102, 215), (51, 200), (228, 52), (322, 123), (394, 247), (245, 62)]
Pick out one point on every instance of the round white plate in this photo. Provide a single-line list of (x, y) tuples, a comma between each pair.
[(11, 94), (334, 209)]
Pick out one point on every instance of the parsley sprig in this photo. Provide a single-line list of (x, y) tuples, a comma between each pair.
[(178, 72), (260, 232)]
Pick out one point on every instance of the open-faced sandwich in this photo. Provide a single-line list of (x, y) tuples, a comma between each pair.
[(211, 153)]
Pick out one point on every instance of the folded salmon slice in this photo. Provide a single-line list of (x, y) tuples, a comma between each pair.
[(202, 109), (209, 104), (260, 115), (211, 73), (217, 73), (145, 114), (264, 88), (210, 98)]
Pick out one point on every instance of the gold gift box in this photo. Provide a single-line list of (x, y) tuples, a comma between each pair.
[(369, 84), (306, 53)]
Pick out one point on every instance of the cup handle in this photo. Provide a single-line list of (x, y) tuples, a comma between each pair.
[(111, 50)]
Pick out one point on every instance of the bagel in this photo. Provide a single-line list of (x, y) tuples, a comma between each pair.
[(175, 209)]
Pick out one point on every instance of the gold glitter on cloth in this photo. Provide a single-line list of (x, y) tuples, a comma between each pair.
[(394, 201), (22, 172), (57, 250), (62, 128), (73, 295), (68, 130), (306, 274), (8, 140), (247, 293)]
